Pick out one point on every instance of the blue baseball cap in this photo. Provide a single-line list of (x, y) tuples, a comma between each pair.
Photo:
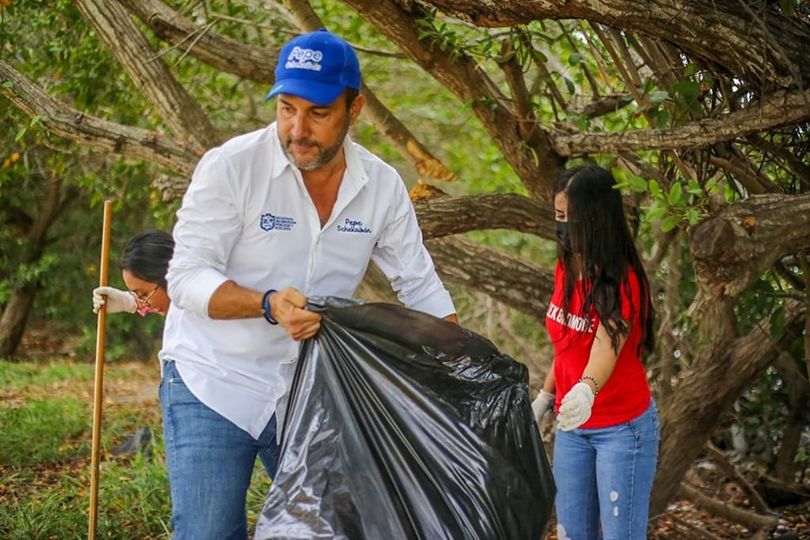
[(317, 66)]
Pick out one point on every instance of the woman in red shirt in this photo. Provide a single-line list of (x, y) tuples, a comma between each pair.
[(600, 322)]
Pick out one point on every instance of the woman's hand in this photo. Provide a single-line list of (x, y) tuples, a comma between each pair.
[(575, 408), (117, 301), (541, 405)]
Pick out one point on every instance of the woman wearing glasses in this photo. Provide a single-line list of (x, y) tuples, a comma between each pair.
[(143, 267)]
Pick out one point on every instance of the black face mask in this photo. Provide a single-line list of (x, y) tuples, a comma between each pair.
[(563, 235)]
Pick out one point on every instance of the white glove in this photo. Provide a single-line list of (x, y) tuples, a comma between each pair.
[(575, 408), (116, 301), (541, 405)]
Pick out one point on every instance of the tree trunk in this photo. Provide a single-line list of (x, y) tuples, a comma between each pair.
[(798, 389), (14, 319), (15, 314), (721, 371), (732, 248), (148, 72)]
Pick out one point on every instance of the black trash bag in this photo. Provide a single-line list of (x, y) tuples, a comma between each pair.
[(404, 426)]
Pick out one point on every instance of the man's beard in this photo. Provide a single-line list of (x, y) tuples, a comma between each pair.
[(324, 156)]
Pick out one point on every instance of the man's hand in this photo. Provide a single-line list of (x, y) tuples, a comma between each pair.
[(541, 405), (575, 408), (287, 307), (115, 300)]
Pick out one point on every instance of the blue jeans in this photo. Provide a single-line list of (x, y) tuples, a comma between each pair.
[(605, 476), (210, 464)]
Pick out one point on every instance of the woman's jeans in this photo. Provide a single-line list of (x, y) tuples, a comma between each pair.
[(605, 476), (210, 464)]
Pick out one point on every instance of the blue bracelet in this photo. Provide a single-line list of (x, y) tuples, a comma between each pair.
[(266, 307)]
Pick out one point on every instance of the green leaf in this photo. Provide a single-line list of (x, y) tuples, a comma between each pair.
[(638, 184), (21, 133), (655, 212), (788, 6), (659, 96), (570, 85), (655, 188), (777, 322), (669, 223), (694, 188), (622, 186), (35, 120), (8, 84), (675, 194), (688, 90), (661, 118), (690, 70), (574, 59), (693, 216)]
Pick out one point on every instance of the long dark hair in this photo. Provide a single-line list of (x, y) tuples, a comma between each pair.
[(604, 251), (147, 256)]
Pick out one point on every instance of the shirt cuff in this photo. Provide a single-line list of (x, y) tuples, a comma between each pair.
[(438, 303), (200, 288)]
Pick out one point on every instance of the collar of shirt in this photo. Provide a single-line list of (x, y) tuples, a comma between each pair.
[(355, 173)]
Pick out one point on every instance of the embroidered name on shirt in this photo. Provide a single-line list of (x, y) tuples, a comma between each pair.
[(269, 222), (574, 322), (353, 226), (304, 59)]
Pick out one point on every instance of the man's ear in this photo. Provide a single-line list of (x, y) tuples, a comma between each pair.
[(356, 107)]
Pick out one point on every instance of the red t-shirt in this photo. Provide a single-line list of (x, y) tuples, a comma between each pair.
[(626, 395)]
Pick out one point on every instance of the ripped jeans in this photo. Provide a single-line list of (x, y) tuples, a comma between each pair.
[(604, 477)]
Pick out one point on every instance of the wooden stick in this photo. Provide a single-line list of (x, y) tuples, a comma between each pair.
[(98, 390), (725, 463), (751, 520)]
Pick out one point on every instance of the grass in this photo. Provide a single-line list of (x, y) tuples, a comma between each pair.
[(45, 431), (41, 431)]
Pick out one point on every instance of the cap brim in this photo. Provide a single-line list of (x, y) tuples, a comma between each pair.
[(317, 92)]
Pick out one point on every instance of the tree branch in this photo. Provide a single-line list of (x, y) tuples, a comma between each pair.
[(798, 166), (747, 178), (735, 246), (751, 520), (258, 64), (88, 130), (444, 216), (506, 278), (225, 54), (574, 47), (770, 48), (176, 107), (534, 160), (699, 403), (521, 101), (774, 110), (725, 463), (604, 105), (542, 69)]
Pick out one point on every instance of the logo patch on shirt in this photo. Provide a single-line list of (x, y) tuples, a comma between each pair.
[(353, 226), (304, 59), (269, 222)]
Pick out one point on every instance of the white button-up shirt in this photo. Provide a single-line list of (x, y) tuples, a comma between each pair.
[(248, 217)]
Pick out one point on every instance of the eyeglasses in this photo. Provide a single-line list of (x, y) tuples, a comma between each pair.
[(144, 300)]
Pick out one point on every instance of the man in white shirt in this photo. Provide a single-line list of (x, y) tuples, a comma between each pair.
[(297, 207)]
